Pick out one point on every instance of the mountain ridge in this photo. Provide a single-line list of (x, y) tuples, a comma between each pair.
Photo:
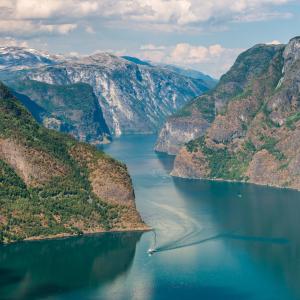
[(253, 136), (203, 109), (134, 98)]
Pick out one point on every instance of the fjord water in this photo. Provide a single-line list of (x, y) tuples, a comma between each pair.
[(214, 240)]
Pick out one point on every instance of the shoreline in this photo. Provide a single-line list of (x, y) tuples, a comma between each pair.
[(238, 181), (60, 236)]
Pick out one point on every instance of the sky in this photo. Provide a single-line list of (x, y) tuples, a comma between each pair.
[(206, 35)]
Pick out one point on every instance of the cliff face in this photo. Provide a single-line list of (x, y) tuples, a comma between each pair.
[(204, 109), (73, 108), (52, 185), (134, 97), (255, 134), (178, 131)]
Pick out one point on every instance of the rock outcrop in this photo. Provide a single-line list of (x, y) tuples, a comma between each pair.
[(178, 131)]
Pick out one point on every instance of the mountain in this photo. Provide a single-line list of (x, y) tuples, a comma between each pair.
[(209, 81), (71, 108), (18, 58), (196, 117), (255, 134), (136, 60), (134, 97), (52, 185)]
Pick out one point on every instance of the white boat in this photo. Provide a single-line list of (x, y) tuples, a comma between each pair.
[(151, 251)]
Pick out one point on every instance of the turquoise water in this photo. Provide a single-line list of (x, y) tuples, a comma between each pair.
[(214, 240)]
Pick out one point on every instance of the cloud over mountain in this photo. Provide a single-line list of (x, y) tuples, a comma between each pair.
[(214, 59)]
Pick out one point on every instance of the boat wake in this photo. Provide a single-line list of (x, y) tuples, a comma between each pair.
[(187, 231), (184, 232)]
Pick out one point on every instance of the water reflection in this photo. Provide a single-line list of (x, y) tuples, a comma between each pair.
[(166, 161), (33, 270), (265, 222)]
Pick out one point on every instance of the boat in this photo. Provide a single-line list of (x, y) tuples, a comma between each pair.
[(151, 251)]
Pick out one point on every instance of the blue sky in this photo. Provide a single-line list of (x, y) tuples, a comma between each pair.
[(203, 34)]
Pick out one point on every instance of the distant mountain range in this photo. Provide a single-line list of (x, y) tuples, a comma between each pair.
[(132, 96), (248, 127), (211, 82)]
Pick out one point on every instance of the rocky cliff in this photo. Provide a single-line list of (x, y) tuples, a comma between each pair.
[(53, 186), (134, 97), (72, 108), (255, 134), (204, 109), (177, 131)]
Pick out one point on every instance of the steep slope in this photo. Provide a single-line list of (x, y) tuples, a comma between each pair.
[(207, 80), (134, 97), (136, 60), (67, 108), (195, 118), (255, 136), (51, 185)]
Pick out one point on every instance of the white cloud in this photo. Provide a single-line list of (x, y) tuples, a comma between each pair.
[(26, 27), (120, 52), (214, 59), (275, 42), (152, 47), (261, 16), (41, 9), (89, 29), (159, 14), (62, 28), (11, 42), (191, 12)]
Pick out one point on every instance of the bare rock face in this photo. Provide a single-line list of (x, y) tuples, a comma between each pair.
[(178, 131), (109, 179), (115, 186), (32, 165), (232, 125), (190, 165), (255, 134), (291, 54), (263, 169)]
